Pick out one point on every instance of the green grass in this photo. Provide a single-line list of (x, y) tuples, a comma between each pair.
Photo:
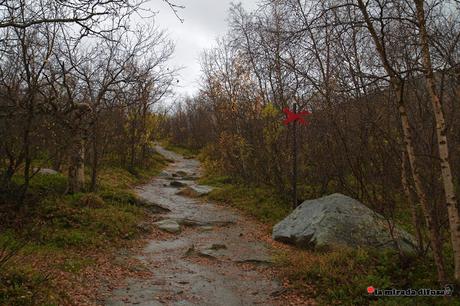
[(341, 276), (334, 276), (263, 203), (23, 285), (182, 150), (59, 225), (111, 177)]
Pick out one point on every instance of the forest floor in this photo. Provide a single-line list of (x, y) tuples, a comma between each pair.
[(56, 248), (220, 257), (102, 248)]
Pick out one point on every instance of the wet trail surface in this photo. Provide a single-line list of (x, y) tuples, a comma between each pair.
[(214, 260)]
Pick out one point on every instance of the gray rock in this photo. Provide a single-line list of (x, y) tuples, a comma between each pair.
[(208, 253), (339, 220), (190, 222), (206, 228), (192, 251), (168, 225), (196, 190), (164, 174), (180, 173), (176, 184), (46, 171), (153, 207), (189, 178), (217, 246), (198, 223), (201, 190)]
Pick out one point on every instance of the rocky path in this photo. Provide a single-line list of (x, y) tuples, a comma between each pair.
[(210, 258)]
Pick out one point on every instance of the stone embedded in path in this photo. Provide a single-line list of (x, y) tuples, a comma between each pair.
[(180, 173), (189, 178), (176, 184), (206, 228), (190, 222), (198, 223), (339, 220), (217, 246), (196, 190), (261, 260), (168, 225), (153, 207), (202, 190), (164, 174), (192, 251)]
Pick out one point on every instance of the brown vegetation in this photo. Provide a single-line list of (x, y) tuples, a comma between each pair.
[(381, 78)]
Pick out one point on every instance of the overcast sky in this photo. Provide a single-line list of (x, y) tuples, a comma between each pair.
[(204, 21)]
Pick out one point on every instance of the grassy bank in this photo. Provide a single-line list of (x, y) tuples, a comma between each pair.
[(182, 150), (261, 203), (50, 242), (339, 276)]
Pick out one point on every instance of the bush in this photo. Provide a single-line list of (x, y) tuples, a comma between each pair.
[(10, 245), (119, 197), (91, 200), (24, 287)]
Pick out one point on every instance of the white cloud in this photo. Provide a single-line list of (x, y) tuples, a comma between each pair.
[(204, 21)]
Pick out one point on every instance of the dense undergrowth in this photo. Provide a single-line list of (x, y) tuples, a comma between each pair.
[(52, 230), (333, 276)]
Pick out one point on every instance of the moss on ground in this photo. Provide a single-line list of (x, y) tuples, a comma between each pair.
[(53, 225)]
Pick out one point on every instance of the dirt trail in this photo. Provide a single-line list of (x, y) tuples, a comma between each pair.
[(214, 260)]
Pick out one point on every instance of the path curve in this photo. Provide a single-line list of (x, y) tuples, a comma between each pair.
[(214, 260)]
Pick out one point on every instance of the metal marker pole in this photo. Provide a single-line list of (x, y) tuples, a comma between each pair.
[(294, 161)]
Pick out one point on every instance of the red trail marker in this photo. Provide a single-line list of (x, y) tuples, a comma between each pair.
[(293, 116)]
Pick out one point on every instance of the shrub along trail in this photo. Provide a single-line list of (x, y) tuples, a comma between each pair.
[(218, 257)]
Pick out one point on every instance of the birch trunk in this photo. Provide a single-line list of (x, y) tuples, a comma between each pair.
[(398, 86), (416, 220), (446, 173), (431, 223)]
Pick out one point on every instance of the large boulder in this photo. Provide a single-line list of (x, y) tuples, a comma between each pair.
[(339, 220)]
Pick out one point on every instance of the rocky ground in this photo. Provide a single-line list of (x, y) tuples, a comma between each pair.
[(206, 254)]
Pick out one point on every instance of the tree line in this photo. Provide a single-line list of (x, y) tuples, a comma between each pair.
[(382, 80), (78, 85)]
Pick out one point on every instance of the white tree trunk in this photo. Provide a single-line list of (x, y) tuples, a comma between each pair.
[(397, 85), (441, 133)]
